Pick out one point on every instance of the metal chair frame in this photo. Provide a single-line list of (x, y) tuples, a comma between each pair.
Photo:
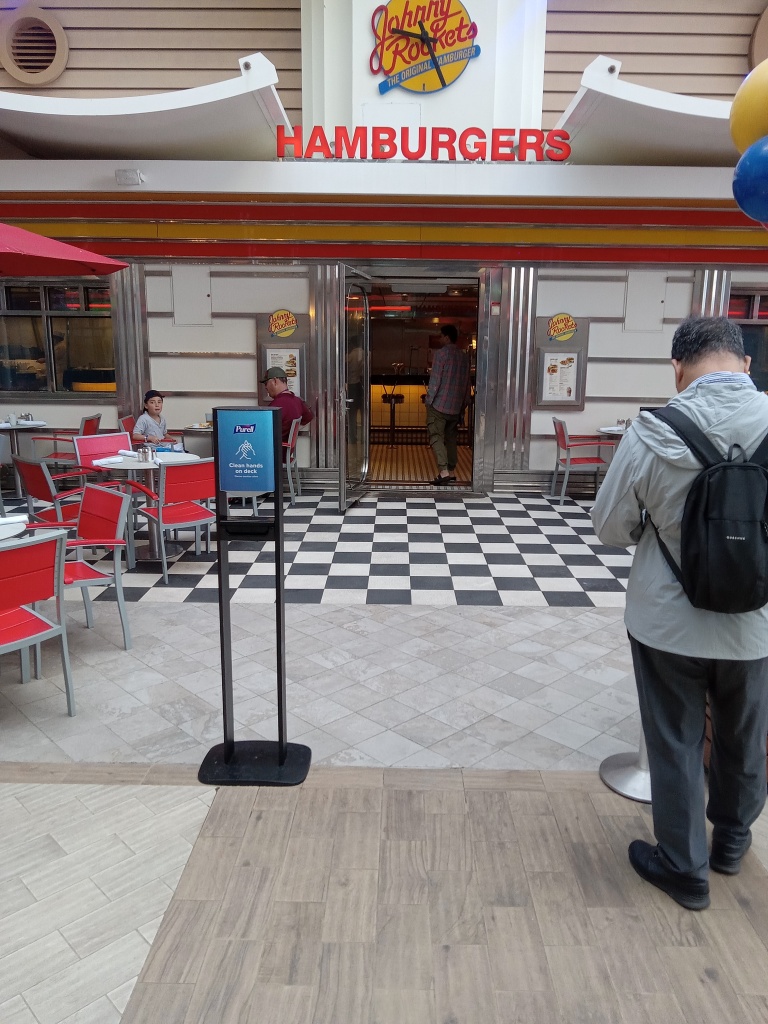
[(32, 570), (567, 443)]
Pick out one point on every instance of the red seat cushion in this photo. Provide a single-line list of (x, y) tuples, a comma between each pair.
[(79, 571), (594, 461), (183, 513), (20, 624)]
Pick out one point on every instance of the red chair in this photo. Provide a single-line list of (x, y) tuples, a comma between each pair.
[(100, 446), (100, 524), (181, 489), (31, 570), (567, 462), (289, 459), (127, 423), (40, 485), (88, 425)]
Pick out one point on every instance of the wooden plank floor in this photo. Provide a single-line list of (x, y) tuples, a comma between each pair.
[(413, 463), (392, 896)]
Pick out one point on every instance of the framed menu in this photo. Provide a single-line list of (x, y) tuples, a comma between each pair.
[(290, 359), (561, 345)]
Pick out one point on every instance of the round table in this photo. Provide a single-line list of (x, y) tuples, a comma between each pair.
[(8, 530), (13, 432), (147, 552)]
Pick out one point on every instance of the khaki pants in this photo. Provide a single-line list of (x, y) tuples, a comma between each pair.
[(443, 431)]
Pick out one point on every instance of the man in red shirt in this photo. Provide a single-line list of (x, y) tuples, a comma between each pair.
[(293, 408)]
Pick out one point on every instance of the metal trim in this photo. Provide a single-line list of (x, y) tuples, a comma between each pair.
[(204, 355), (711, 289)]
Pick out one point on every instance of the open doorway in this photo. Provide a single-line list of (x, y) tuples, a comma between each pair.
[(406, 316)]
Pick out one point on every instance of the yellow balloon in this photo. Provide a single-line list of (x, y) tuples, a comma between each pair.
[(749, 112)]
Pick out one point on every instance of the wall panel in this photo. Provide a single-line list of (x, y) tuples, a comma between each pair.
[(692, 47), (123, 49)]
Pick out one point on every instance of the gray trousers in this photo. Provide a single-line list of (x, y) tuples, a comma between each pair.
[(443, 432), (673, 689)]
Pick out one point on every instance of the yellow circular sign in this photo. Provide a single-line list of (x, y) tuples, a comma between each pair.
[(282, 323), (561, 327), (421, 47)]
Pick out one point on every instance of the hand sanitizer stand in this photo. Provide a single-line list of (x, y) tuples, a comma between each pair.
[(247, 449)]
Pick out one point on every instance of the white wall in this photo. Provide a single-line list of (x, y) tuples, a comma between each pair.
[(633, 317), (205, 324)]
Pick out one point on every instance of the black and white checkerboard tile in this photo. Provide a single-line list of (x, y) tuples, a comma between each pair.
[(518, 549)]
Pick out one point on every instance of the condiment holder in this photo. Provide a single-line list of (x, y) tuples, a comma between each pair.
[(144, 454)]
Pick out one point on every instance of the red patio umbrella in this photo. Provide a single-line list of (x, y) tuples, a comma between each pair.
[(25, 254)]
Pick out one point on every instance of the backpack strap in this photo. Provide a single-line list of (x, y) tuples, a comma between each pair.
[(677, 572), (692, 435), (760, 454)]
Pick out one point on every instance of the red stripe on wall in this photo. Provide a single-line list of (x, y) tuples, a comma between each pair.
[(261, 212)]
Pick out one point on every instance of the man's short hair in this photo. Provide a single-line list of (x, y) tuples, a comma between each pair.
[(450, 332), (700, 336)]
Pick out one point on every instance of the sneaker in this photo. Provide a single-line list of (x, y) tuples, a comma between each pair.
[(691, 893), (441, 481), (727, 851)]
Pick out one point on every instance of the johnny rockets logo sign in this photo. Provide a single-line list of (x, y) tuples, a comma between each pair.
[(385, 143), (421, 47)]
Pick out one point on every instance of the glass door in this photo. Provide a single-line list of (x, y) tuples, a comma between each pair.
[(353, 412)]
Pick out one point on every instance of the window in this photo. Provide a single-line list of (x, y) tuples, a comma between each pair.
[(56, 338), (751, 311)]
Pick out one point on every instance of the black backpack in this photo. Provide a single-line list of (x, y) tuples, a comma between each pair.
[(724, 530)]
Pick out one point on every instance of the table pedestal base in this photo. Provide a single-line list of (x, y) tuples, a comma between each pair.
[(149, 553)]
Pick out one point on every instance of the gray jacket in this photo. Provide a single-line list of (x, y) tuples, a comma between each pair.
[(653, 469)]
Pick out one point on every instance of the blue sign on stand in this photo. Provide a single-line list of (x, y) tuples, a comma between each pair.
[(246, 449)]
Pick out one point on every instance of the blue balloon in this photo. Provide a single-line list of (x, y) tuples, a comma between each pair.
[(750, 181)]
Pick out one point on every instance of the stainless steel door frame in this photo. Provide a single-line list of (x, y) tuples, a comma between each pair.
[(353, 346)]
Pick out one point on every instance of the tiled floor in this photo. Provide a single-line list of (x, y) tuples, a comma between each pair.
[(521, 550), (373, 896), (367, 685), (86, 874)]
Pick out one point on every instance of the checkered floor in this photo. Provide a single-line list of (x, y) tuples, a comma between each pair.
[(521, 549)]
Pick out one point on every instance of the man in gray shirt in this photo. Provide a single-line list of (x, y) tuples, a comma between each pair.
[(681, 654)]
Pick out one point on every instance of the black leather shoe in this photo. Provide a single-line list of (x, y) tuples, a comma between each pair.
[(727, 851), (691, 893)]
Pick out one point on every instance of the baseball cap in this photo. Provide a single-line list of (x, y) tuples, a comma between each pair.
[(272, 372)]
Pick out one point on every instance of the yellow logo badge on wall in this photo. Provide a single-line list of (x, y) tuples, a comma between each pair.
[(421, 47), (282, 323), (561, 327)]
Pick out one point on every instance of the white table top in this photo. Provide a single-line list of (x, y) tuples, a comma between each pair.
[(612, 430), (127, 463), (23, 425), (12, 529)]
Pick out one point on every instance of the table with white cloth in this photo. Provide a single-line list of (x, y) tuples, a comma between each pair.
[(13, 431)]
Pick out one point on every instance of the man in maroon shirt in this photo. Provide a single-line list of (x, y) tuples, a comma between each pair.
[(293, 408)]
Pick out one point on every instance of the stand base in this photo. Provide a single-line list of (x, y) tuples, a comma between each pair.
[(623, 774), (255, 763)]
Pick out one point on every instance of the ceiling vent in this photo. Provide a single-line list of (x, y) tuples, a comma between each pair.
[(33, 46)]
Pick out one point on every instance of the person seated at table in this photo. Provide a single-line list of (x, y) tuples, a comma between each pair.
[(151, 427), (293, 407)]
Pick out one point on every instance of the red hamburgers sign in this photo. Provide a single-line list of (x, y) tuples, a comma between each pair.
[(385, 143)]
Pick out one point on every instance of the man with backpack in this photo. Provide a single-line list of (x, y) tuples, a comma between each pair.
[(696, 608)]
